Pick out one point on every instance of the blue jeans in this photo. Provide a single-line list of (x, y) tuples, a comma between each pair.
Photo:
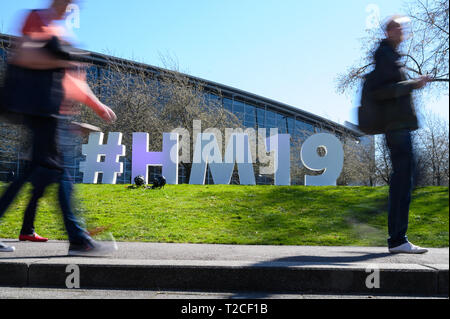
[(402, 158), (46, 168), (42, 178)]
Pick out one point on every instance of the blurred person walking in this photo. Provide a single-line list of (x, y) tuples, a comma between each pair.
[(392, 90), (46, 77)]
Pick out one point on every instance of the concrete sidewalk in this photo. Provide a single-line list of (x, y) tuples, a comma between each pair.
[(295, 269)]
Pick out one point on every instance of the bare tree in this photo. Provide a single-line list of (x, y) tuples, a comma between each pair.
[(383, 166), (156, 102), (433, 149), (359, 162), (431, 144), (426, 51), (298, 171)]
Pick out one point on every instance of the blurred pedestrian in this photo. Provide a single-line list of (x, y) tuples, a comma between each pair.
[(38, 68), (393, 90)]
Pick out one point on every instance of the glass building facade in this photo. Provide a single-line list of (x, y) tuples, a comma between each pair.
[(253, 112)]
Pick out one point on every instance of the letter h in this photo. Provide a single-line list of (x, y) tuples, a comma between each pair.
[(168, 158)]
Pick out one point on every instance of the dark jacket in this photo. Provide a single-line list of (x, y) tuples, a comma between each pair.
[(33, 92), (393, 90)]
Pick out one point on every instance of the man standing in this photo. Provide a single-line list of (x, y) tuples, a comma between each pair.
[(393, 90)]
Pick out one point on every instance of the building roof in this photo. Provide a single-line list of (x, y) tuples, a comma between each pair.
[(103, 60)]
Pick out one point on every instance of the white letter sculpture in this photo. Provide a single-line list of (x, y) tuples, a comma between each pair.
[(280, 144), (94, 151), (168, 158), (331, 163), (207, 151)]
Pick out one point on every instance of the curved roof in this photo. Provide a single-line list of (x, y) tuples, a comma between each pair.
[(226, 91)]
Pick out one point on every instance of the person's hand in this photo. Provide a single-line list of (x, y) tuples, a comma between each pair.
[(422, 81), (109, 116)]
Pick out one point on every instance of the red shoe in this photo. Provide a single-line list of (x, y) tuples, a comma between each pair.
[(34, 238)]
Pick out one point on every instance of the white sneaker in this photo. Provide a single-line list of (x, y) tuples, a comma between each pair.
[(408, 248), (6, 249)]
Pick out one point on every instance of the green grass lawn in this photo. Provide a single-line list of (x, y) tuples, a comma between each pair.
[(263, 215)]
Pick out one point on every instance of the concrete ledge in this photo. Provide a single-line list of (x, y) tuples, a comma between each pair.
[(443, 282), (228, 276), (14, 274), (293, 269)]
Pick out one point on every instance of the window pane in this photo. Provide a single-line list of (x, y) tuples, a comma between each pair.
[(271, 115), (250, 109), (238, 107), (240, 116), (290, 123), (271, 123), (2, 55), (228, 104), (303, 129), (250, 118), (281, 123), (260, 115), (249, 124)]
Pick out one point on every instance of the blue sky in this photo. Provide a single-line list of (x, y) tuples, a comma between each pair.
[(287, 50)]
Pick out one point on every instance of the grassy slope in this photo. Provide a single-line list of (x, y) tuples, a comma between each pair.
[(243, 214)]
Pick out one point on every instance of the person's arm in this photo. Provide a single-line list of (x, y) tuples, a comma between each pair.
[(78, 90), (386, 71), (386, 74), (395, 90)]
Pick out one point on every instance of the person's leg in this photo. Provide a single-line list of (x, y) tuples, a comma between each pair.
[(8, 197), (45, 151), (43, 165), (65, 139), (41, 178), (402, 158), (76, 233), (11, 192), (30, 212), (81, 243)]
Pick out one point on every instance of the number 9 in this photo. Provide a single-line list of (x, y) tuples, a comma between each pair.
[(332, 162)]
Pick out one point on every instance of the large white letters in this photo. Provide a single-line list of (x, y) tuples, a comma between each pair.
[(168, 158), (208, 152), (280, 144), (95, 151), (240, 151), (332, 162)]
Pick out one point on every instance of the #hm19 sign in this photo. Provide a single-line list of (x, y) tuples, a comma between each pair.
[(274, 157)]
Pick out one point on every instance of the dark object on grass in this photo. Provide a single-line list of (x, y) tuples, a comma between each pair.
[(139, 180), (159, 182)]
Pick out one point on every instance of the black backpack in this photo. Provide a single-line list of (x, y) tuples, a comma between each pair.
[(36, 92), (372, 116), (159, 182), (139, 180)]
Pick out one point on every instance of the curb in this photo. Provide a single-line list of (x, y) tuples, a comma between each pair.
[(399, 279)]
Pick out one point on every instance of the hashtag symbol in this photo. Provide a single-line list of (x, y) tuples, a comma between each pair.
[(102, 158)]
